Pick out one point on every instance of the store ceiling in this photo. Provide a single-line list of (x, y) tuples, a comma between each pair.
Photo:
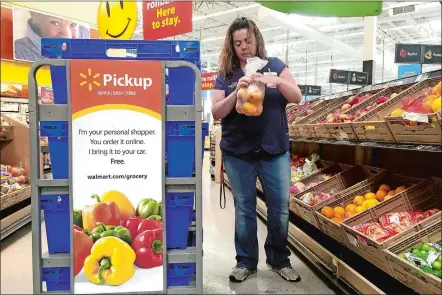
[(309, 60)]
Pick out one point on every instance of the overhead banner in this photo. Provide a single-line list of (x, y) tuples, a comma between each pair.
[(117, 176), (310, 89), (357, 78), (348, 77), (432, 54), (162, 19), (208, 80), (408, 53), (30, 26), (338, 76)]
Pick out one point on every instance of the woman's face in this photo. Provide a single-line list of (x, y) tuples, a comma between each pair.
[(244, 44)]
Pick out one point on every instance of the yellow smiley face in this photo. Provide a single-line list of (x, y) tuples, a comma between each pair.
[(117, 19)]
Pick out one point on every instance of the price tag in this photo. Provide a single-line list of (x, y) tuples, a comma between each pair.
[(353, 240), (422, 118)]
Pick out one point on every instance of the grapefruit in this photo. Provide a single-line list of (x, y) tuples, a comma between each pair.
[(350, 208), (360, 209), (400, 189), (328, 212), (339, 212), (385, 188), (369, 196), (370, 203), (380, 195), (436, 104), (358, 200)]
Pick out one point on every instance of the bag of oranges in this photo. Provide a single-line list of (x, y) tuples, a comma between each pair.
[(250, 100)]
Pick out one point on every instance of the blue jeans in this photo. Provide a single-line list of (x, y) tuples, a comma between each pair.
[(274, 175)]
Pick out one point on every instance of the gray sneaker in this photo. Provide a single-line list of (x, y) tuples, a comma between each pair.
[(240, 274), (287, 273)]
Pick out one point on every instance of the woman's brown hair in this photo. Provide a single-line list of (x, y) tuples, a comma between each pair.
[(228, 60)]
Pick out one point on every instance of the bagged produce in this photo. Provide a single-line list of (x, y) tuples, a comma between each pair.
[(250, 100), (427, 257), (375, 231)]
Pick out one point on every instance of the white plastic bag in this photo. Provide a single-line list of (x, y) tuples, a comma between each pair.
[(249, 100)]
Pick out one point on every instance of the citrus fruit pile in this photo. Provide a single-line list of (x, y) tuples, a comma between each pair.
[(361, 203)]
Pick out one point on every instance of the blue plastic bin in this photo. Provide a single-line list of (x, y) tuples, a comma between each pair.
[(179, 208), (180, 148), (179, 274), (56, 278), (56, 211), (57, 134)]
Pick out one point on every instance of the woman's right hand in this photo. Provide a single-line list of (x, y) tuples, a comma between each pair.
[(244, 82)]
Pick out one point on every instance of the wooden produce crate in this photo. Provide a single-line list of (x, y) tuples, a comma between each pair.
[(345, 131), (320, 130), (407, 273), (334, 229), (343, 182), (301, 131), (372, 126), (429, 132), (426, 195), (7, 200)]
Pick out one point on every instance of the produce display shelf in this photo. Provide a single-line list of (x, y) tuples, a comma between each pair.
[(348, 272), (414, 147)]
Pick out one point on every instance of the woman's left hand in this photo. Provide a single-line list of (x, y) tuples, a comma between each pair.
[(268, 80)]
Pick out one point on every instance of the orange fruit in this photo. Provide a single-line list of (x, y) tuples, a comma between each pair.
[(339, 212), (328, 212), (254, 97), (358, 200), (349, 214), (400, 189), (350, 208), (388, 197), (360, 209), (369, 196), (249, 108), (242, 94), (391, 193), (385, 187), (337, 219), (380, 195)]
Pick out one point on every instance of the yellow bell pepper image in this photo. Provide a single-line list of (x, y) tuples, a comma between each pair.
[(126, 208), (111, 261)]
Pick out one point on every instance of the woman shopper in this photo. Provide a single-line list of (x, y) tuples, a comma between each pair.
[(256, 147)]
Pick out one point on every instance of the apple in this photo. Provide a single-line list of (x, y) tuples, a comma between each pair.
[(381, 99), (358, 112), (393, 95), (329, 116), (343, 116), (309, 112), (346, 107), (352, 101), (350, 117), (369, 108), (363, 114), (331, 120), (338, 112)]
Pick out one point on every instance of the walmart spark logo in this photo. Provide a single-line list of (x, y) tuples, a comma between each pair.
[(90, 80)]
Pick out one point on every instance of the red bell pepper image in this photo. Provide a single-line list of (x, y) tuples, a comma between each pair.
[(107, 213), (148, 247), (138, 224), (132, 224), (82, 248)]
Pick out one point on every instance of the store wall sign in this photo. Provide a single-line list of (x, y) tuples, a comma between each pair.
[(310, 89), (117, 173), (408, 70), (162, 19), (338, 76), (432, 54), (358, 78), (208, 80), (408, 53)]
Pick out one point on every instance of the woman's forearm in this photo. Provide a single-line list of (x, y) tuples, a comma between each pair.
[(290, 91), (223, 107)]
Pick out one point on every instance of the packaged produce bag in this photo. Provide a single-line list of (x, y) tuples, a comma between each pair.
[(249, 100)]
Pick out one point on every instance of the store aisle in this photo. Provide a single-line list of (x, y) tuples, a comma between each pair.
[(219, 254)]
